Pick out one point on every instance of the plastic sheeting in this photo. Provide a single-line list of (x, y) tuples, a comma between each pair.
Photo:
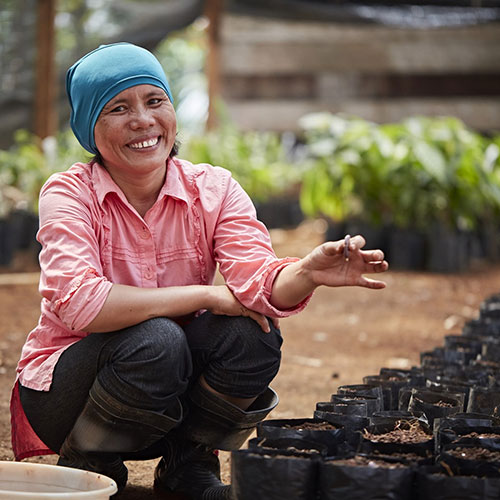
[(415, 16)]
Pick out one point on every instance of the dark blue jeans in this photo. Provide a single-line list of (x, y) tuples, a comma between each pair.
[(150, 364)]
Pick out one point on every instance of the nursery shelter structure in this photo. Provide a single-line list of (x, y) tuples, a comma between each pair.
[(379, 60), (273, 61)]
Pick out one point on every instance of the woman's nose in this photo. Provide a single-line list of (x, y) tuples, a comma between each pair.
[(142, 118)]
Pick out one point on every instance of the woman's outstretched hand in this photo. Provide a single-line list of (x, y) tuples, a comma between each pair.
[(330, 264)]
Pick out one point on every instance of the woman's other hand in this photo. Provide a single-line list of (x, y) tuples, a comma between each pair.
[(223, 302)]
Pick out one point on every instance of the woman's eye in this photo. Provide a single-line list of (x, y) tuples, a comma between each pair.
[(117, 109), (155, 100)]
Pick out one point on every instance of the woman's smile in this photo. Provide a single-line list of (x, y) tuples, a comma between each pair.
[(145, 144)]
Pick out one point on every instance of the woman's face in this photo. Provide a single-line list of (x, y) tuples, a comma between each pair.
[(135, 131)]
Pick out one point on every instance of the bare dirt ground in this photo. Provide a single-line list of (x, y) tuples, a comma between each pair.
[(343, 335)]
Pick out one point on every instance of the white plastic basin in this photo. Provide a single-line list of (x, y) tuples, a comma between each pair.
[(38, 481)]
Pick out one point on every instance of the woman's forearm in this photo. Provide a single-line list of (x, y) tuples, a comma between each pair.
[(291, 286), (128, 305)]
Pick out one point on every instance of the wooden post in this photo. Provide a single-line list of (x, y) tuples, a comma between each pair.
[(213, 11), (45, 108)]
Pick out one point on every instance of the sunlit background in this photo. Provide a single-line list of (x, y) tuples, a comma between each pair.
[(376, 117)]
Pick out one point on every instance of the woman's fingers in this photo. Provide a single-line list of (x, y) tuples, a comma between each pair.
[(370, 283), (372, 255), (259, 318), (356, 242)]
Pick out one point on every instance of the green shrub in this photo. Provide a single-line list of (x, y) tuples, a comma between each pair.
[(29, 163), (408, 174), (257, 160)]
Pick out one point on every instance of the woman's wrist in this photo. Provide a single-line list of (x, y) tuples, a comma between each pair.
[(292, 285)]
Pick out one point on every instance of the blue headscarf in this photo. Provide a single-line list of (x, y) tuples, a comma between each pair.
[(101, 75)]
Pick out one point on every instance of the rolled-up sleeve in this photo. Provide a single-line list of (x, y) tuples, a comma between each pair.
[(71, 279), (245, 255)]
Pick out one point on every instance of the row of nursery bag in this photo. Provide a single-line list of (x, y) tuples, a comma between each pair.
[(430, 432)]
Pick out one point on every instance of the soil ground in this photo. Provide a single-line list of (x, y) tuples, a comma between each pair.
[(343, 335)]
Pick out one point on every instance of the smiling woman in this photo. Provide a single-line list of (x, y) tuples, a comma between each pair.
[(134, 134), (133, 331)]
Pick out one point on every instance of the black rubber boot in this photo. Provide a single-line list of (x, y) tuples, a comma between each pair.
[(106, 428), (189, 465)]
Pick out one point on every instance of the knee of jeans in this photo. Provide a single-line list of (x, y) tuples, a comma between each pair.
[(162, 341), (249, 338), (147, 364), (247, 359)]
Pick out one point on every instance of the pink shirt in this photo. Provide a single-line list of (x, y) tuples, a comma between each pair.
[(92, 237)]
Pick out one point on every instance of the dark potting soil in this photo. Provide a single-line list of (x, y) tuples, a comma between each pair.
[(442, 404), (312, 426), (472, 453), (410, 432), (408, 457), (360, 461), (274, 455), (293, 449), (350, 397), (475, 435)]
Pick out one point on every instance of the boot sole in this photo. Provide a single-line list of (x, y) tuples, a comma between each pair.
[(161, 493)]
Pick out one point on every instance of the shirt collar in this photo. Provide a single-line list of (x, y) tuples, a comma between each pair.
[(175, 184), (103, 183)]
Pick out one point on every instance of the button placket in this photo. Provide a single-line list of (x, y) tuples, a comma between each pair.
[(147, 253), (148, 274)]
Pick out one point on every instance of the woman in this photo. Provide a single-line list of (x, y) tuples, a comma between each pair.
[(137, 354)]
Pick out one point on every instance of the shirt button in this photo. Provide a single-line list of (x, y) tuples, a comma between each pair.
[(148, 274), (144, 234)]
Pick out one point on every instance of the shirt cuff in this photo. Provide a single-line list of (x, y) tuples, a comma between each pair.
[(268, 280), (83, 299)]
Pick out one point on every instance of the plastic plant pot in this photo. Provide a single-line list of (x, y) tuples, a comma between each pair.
[(490, 308), (414, 375), (451, 386), (392, 416), (431, 357), (405, 394), (404, 436), (359, 405), (462, 342), (273, 474), (484, 400), (470, 460), (434, 482), (353, 425), (294, 447), (310, 429), (435, 404), (364, 390), (481, 327), (482, 437), (369, 479), (490, 350), (390, 387)]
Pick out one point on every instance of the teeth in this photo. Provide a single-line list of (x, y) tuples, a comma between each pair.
[(144, 144)]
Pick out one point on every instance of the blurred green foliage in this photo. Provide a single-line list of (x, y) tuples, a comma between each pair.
[(259, 161), (183, 55), (26, 166), (409, 174)]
